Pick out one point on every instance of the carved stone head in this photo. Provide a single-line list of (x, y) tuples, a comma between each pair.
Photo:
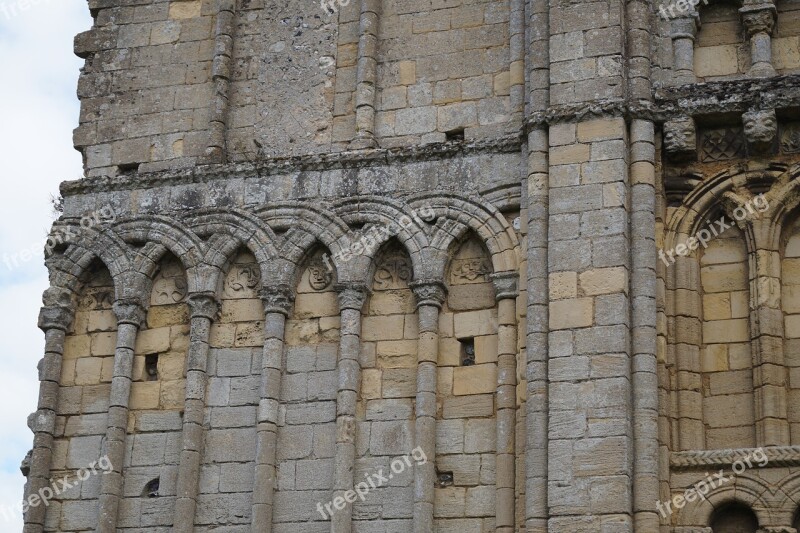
[(680, 138), (760, 129)]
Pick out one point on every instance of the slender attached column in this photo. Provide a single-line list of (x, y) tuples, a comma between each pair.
[(688, 338), (517, 60), (430, 296), (759, 21), (131, 315), (684, 31), (766, 325), (643, 325), (221, 72), (55, 320), (506, 291), (351, 300), (535, 193), (367, 75), (277, 305), (204, 309)]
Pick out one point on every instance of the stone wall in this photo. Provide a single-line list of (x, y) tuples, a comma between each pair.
[(479, 233)]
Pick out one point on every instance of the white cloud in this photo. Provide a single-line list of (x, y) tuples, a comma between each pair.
[(40, 112)]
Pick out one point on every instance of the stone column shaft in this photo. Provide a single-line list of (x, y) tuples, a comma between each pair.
[(643, 323), (507, 292), (688, 338), (536, 409), (535, 192), (430, 297), (221, 71), (351, 300), (759, 22), (277, 304), (130, 317), (55, 320), (684, 31), (766, 332), (204, 308), (367, 75)]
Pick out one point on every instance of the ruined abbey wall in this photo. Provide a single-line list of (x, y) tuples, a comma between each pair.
[(455, 266)]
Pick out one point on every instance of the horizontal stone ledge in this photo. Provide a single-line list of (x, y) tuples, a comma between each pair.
[(777, 456), (286, 165)]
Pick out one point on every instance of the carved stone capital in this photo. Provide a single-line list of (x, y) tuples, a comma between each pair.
[(203, 305), (685, 27), (760, 129), (777, 529), (506, 285), (759, 18), (351, 295), (55, 318), (130, 311), (277, 299), (429, 292), (58, 310), (680, 138)]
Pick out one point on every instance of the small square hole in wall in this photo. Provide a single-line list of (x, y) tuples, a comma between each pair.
[(455, 135), (467, 352), (151, 367), (151, 489), (128, 168), (444, 479)]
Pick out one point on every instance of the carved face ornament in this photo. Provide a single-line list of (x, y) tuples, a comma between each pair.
[(760, 128), (679, 136), (319, 277)]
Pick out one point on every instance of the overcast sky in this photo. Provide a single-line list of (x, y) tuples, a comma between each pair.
[(39, 112)]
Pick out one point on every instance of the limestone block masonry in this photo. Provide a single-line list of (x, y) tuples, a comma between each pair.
[(500, 265)]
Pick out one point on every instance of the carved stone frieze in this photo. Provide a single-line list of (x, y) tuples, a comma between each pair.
[(790, 138), (243, 280), (170, 285), (392, 272), (471, 270), (320, 277), (722, 144), (775, 455)]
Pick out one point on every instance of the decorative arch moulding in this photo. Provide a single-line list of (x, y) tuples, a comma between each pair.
[(777, 456)]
